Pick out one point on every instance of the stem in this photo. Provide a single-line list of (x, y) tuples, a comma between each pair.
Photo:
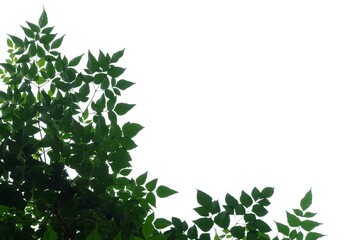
[(63, 224)]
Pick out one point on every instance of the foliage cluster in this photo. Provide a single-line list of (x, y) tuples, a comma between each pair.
[(56, 119)]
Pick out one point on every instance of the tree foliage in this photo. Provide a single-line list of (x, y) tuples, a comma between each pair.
[(57, 119)]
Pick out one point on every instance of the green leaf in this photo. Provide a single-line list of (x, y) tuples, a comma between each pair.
[(116, 56), (309, 225), (240, 210), (255, 193), (115, 71), (123, 108), (306, 201), (17, 41), (57, 42), (50, 70), (150, 186), (124, 84), (28, 32), (293, 220), (75, 61), (47, 39), (205, 236), (309, 214), (40, 52), (49, 234), (47, 30), (163, 191), (264, 202), (245, 199), (313, 236), (267, 192), (202, 211), (203, 199), (259, 210), (151, 198), (140, 180), (94, 235), (147, 228), (192, 232), (9, 43), (92, 64), (161, 223), (127, 143), (32, 49), (222, 220), (84, 90), (238, 232), (298, 212), (41, 62), (262, 226), (33, 27), (131, 129), (249, 217), (300, 236), (205, 224), (231, 201), (4, 209), (214, 207), (43, 20), (102, 61), (8, 67)]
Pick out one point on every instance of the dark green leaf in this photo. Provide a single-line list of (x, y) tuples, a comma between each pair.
[(192, 232), (40, 52), (249, 217), (124, 84), (43, 20), (99, 78), (306, 201), (32, 50), (203, 199), (240, 210), (238, 232), (163, 191), (127, 143), (115, 71), (309, 214), (28, 32), (313, 236), (123, 108), (222, 220), (17, 41), (205, 224), (231, 201), (112, 117), (57, 42), (33, 27), (298, 212), (105, 83), (84, 90), (264, 202), (245, 199), (255, 193), (116, 56), (150, 186), (202, 211), (262, 226), (293, 220), (214, 207), (47, 30), (102, 61), (259, 210), (309, 225), (161, 223), (8, 67), (50, 234), (140, 180), (50, 70), (47, 39), (131, 129), (147, 228), (75, 61), (92, 64), (151, 198), (267, 192)]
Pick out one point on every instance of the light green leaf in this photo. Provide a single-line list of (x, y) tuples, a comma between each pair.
[(163, 191)]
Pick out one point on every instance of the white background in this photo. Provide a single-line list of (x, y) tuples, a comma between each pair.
[(232, 94)]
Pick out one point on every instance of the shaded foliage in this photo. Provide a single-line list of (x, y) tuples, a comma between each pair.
[(56, 119)]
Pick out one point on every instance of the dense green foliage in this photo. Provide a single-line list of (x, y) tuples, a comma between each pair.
[(56, 119)]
